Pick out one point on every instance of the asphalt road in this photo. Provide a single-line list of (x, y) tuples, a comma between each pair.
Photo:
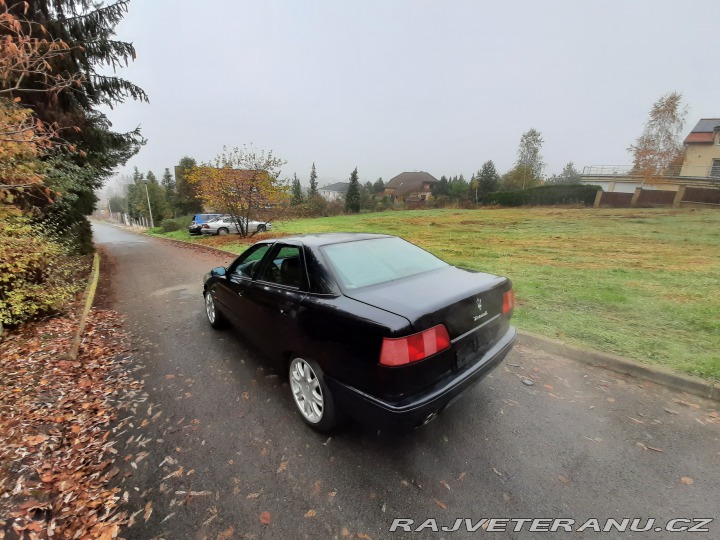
[(228, 450)]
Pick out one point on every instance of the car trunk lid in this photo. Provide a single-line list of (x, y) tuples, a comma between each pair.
[(468, 303), (460, 299)]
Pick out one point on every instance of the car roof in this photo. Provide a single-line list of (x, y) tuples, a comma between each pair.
[(324, 239)]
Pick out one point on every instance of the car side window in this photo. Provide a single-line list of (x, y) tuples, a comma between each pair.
[(285, 267), (244, 266)]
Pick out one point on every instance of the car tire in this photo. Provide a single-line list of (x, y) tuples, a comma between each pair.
[(261, 228), (311, 395), (222, 231), (214, 316)]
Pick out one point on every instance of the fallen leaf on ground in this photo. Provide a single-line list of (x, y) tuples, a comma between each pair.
[(310, 513), (265, 518), (283, 466), (148, 510), (687, 480), (226, 534), (440, 504), (563, 479), (445, 484), (686, 403), (34, 440), (174, 474)]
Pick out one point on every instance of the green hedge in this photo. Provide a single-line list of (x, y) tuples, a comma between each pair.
[(546, 195), (176, 224)]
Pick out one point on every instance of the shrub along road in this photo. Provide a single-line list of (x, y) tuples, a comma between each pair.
[(224, 454)]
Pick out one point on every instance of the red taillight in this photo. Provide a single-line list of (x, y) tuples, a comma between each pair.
[(404, 350), (205, 226), (508, 301)]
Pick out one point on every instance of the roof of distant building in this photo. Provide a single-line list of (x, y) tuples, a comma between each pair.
[(704, 131), (409, 182), (340, 187)]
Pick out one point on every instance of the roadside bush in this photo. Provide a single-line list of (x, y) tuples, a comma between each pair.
[(546, 195), (170, 225), (175, 224), (38, 272)]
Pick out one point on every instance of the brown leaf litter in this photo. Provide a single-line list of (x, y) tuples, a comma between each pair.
[(57, 452)]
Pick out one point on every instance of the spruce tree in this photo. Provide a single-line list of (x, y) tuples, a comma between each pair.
[(442, 187), (88, 28), (297, 194), (168, 183), (313, 182), (488, 179), (352, 197)]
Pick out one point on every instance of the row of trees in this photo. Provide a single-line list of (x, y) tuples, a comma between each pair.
[(655, 150), (358, 197), (526, 173), (174, 195)]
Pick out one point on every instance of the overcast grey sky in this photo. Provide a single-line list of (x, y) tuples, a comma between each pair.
[(400, 85)]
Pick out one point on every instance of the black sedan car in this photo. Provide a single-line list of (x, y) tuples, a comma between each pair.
[(366, 324)]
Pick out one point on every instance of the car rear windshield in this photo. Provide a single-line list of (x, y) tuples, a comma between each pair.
[(378, 260)]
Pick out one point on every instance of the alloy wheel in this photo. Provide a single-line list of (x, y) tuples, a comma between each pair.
[(210, 307), (306, 390)]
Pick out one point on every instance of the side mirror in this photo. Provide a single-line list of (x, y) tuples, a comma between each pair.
[(219, 271)]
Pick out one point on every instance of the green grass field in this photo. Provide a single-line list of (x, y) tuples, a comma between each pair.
[(642, 283)]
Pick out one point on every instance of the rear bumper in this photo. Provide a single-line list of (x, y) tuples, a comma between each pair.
[(194, 230), (418, 409)]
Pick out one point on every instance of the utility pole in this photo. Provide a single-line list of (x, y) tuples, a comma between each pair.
[(147, 193)]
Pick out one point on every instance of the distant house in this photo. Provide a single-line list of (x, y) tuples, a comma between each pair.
[(410, 186), (700, 167), (702, 150), (334, 192)]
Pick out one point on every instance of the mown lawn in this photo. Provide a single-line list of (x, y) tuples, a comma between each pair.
[(642, 283)]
